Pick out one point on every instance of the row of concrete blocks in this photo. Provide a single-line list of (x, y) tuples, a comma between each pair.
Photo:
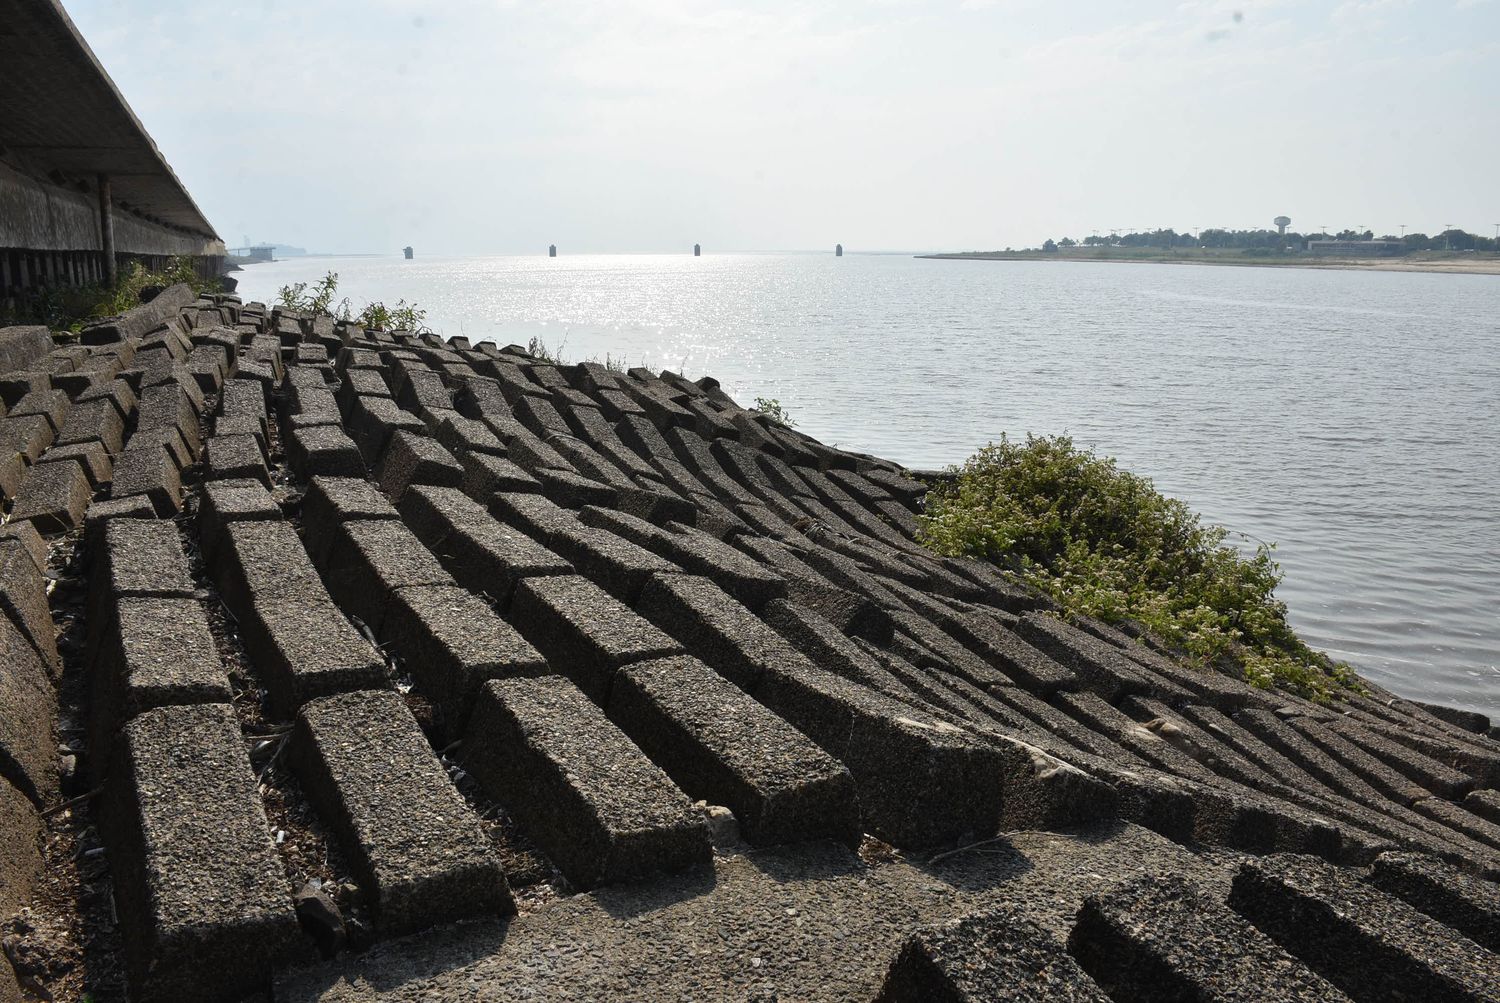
[(493, 558), (1220, 691), (29, 668), (1116, 678), (376, 558), (1111, 680), (420, 611), (207, 910), (140, 395), (1293, 928), (714, 740), (1225, 692), (258, 931)]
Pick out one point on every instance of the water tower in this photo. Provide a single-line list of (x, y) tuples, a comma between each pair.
[(1282, 222)]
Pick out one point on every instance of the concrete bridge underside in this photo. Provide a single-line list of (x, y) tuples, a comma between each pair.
[(83, 187)]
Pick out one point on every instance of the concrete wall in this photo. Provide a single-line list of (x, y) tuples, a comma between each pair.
[(49, 237), (37, 216)]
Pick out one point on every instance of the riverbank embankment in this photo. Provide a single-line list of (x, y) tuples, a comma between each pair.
[(1455, 265)]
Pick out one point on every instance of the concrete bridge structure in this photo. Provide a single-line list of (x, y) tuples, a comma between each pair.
[(83, 187)]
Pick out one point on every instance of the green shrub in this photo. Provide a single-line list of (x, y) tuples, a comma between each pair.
[(1103, 541), (315, 299), (403, 316), (74, 307), (771, 407), (319, 298)]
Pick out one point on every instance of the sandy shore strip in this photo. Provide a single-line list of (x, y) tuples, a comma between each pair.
[(1488, 265)]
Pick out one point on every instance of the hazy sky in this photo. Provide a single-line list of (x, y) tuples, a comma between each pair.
[(469, 127)]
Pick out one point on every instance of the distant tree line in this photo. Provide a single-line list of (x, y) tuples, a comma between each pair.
[(1270, 240)]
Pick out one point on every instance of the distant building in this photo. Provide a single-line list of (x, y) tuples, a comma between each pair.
[(407, 252), (697, 250), (1356, 248), (255, 252), (551, 250), (838, 250)]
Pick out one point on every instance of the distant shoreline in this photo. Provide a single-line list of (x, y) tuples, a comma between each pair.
[(1488, 265)]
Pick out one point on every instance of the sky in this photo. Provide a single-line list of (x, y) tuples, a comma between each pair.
[(501, 126)]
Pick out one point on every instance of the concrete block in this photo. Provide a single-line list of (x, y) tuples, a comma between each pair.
[(16, 384), (325, 451), (537, 516), (590, 799), (261, 561), (1369, 945), (524, 446), (225, 502), (305, 650), (26, 534), (235, 457), (23, 597), (695, 552), (50, 405), (101, 511), (20, 853), (486, 475), (20, 346), (583, 631), (151, 472), (28, 748), (332, 501), (372, 421), (451, 643), (719, 631), (415, 459), (921, 780), (720, 746), (28, 435), (13, 470), (372, 559), (571, 489), (1468, 904), (160, 653), (139, 321), (98, 465), (94, 421), (1164, 938), (999, 954), (204, 906), (615, 564), (416, 848), (169, 439), (464, 435), (483, 555), (168, 406), (53, 497), (308, 406)]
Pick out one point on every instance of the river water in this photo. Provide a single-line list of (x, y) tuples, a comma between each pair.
[(1353, 418)]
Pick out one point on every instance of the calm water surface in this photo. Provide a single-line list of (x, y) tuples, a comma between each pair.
[(1353, 418)]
